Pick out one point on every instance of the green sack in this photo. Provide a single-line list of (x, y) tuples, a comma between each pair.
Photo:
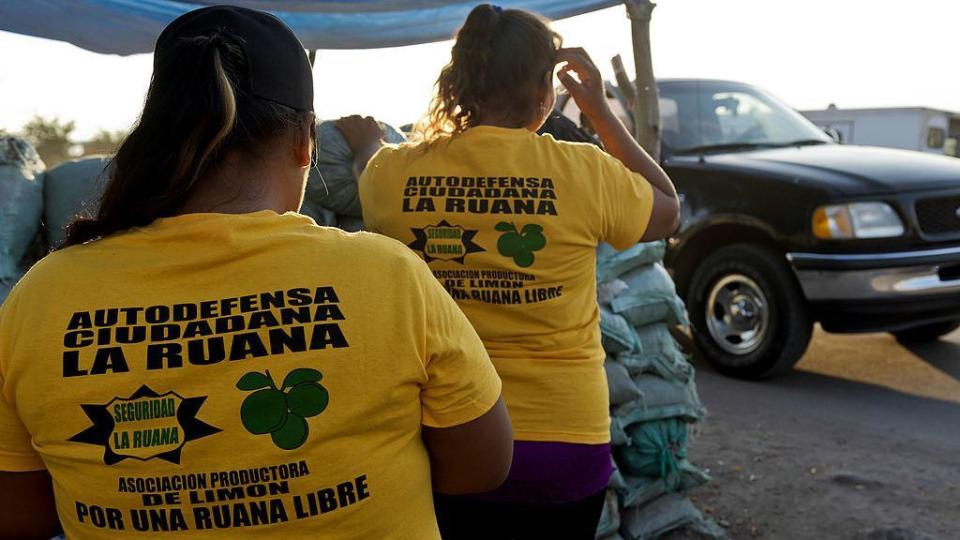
[(662, 399), (610, 516), (72, 189), (612, 264), (656, 449), (657, 353), (616, 333)]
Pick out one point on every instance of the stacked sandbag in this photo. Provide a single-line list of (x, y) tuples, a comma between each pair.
[(72, 189), (653, 398), (331, 196), (21, 206)]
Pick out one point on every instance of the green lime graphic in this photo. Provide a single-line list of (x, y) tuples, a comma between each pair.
[(281, 412), (307, 399), (520, 245), (300, 375), (533, 242), (292, 434), (263, 411), (524, 259), (510, 244), (253, 381)]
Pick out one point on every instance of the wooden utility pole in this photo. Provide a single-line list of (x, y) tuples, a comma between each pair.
[(646, 108), (623, 81)]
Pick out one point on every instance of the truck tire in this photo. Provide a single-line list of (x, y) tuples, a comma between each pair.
[(927, 332), (749, 317)]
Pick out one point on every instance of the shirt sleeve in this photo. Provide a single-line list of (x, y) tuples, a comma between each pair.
[(625, 200), (16, 451), (462, 384)]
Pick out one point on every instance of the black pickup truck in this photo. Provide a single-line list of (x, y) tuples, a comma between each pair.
[(782, 228)]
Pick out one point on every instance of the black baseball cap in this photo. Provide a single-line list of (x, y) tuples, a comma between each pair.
[(278, 68)]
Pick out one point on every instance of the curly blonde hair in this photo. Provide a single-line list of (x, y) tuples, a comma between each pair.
[(499, 58)]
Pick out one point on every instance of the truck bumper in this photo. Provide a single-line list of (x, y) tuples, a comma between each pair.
[(880, 291)]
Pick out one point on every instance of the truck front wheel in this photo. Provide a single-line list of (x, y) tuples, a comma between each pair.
[(749, 316)]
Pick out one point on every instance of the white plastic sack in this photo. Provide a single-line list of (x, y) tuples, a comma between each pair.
[(618, 436), (657, 353), (72, 189), (319, 214), (332, 184), (612, 264), (651, 297), (609, 517), (620, 386), (21, 205), (350, 223), (605, 251), (608, 290), (639, 491), (7, 285), (662, 399), (617, 481), (649, 279), (616, 333)]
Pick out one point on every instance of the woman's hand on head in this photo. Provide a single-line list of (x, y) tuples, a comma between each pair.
[(361, 132), (588, 92)]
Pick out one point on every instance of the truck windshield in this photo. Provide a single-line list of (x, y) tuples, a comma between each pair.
[(705, 116)]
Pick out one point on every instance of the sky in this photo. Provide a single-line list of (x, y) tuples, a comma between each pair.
[(854, 53)]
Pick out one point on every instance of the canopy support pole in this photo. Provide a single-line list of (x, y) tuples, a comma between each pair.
[(646, 108)]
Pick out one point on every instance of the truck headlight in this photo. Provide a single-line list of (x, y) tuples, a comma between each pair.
[(856, 220)]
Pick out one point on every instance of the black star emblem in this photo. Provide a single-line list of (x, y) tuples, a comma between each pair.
[(420, 244), (101, 430)]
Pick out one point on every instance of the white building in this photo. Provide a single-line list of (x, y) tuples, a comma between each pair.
[(912, 128)]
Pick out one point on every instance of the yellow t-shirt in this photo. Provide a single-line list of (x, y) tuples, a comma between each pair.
[(508, 222), (236, 376)]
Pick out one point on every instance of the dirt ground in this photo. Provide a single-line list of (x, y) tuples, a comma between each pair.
[(862, 441)]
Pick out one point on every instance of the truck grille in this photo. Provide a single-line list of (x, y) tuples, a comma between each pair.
[(939, 216)]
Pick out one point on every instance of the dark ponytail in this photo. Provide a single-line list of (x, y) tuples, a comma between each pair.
[(196, 109), (500, 57)]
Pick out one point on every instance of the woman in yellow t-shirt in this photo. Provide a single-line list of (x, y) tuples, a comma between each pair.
[(509, 222), (202, 360)]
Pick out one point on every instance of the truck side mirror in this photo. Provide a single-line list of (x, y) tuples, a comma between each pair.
[(834, 134)]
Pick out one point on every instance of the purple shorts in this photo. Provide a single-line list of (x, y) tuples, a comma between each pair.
[(554, 472)]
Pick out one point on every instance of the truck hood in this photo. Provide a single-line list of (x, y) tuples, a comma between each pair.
[(847, 169)]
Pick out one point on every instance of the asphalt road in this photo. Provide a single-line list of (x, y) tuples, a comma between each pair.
[(863, 438)]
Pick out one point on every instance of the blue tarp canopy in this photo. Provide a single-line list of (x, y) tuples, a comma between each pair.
[(132, 26)]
